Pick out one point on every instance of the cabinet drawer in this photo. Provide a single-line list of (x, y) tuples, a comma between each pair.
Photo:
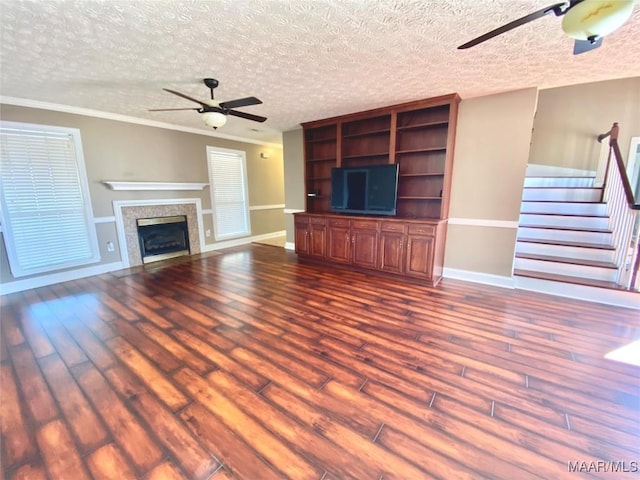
[(418, 229), (365, 224), (393, 227), (301, 220), (318, 220), (339, 222)]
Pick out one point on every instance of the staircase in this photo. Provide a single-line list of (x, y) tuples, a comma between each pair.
[(564, 234)]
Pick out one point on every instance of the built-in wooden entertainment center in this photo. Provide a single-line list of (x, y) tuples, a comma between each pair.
[(419, 137)]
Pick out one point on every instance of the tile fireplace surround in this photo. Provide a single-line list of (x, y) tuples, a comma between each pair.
[(129, 214)]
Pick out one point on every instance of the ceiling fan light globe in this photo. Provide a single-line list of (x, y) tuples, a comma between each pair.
[(214, 119), (596, 18)]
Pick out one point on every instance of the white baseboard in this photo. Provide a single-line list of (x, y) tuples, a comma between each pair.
[(478, 277), (290, 246), (619, 298), (241, 241), (44, 280)]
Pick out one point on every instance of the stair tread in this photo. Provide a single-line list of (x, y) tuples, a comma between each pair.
[(572, 261), (563, 243), (568, 228), (555, 214), (567, 279), (593, 202), (560, 176), (556, 187)]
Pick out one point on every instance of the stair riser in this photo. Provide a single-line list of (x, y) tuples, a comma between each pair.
[(562, 194), (564, 208), (558, 182), (564, 235), (594, 254), (564, 220), (581, 271)]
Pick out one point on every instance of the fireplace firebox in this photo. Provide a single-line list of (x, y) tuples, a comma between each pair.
[(161, 238)]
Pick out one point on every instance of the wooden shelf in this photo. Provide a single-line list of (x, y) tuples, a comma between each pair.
[(318, 178), (421, 174), (420, 198), (321, 140), (423, 150), (423, 125), (366, 134), (327, 159), (366, 155)]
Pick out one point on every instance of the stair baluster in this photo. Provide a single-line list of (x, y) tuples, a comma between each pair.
[(623, 212)]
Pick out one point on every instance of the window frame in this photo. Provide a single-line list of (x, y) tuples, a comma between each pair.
[(242, 157), (17, 270)]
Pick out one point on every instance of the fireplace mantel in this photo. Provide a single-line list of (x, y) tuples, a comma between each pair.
[(117, 185)]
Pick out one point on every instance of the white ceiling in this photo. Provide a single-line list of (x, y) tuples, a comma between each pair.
[(305, 59)]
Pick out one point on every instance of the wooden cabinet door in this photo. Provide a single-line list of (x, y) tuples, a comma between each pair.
[(318, 240), (302, 237), (339, 244), (391, 252), (365, 247), (419, 261)]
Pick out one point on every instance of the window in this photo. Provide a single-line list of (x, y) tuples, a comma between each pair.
[(229, 194), (46, 210)]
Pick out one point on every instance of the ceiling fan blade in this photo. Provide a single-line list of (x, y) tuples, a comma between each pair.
[(241, 102), (185, 96), (248, 116), (582, 46), (168, 109), (556, 8)]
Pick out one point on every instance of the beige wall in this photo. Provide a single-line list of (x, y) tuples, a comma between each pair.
[(570, 118), (293, 149), (491, 152), (115, 150), (484, 250)]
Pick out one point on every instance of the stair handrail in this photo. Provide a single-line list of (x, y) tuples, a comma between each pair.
[(613, 146), (623, 212)]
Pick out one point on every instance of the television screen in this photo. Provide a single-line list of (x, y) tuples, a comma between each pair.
[(366, 190)]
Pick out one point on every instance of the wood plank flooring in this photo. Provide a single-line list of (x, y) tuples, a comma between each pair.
[(247, 364)]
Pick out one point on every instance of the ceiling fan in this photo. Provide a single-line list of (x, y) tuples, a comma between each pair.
[(587, 21), (214, 113)]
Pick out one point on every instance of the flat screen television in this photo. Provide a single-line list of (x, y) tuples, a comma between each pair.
[(370, 190)]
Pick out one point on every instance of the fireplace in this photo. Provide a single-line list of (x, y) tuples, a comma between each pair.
[(161, 238)]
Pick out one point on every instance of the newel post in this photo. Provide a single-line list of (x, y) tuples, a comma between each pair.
[(613, 133)]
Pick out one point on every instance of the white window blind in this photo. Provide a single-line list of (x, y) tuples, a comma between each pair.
[(46, 212), (229, 194)]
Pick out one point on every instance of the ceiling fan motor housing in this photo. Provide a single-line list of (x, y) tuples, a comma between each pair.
[(591, 19), (211, 83)]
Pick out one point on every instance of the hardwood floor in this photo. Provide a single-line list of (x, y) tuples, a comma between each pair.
[(247, 364)]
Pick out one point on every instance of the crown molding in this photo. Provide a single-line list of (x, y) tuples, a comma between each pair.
[(24, 102)]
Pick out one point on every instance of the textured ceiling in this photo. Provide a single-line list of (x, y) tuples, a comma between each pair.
[(305, 59)]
